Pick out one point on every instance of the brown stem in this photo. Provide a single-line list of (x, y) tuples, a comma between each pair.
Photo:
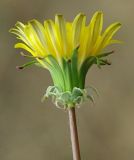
[(74, 134)]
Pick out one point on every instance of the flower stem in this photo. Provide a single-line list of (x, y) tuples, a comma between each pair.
[(74, 134)]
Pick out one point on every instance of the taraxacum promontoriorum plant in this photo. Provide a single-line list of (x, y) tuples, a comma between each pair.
[(67, 50)]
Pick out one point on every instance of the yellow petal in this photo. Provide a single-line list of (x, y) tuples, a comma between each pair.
[(24, 46), (61, 26), (69, 38), (115, 41), (19, 31), (83, 45), (44, 37), (108, 34), (38, 27), (20, 25), (53, 37), (96, 25), (34, 40), (95, 28), (77, 28), (106, 38)]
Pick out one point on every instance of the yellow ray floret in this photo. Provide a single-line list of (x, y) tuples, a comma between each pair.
[(59, 38)]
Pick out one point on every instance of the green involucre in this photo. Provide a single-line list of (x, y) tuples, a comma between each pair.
[(68, 99)]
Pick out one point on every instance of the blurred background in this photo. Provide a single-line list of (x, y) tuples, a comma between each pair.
[(31, 130)]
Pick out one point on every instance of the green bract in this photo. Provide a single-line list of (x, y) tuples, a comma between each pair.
[(68, 99), (70, 75)]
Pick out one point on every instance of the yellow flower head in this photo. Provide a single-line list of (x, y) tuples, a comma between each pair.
[(59, 38), (66, 49)]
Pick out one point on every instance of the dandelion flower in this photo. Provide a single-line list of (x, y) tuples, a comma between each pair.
[(67, 50)]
